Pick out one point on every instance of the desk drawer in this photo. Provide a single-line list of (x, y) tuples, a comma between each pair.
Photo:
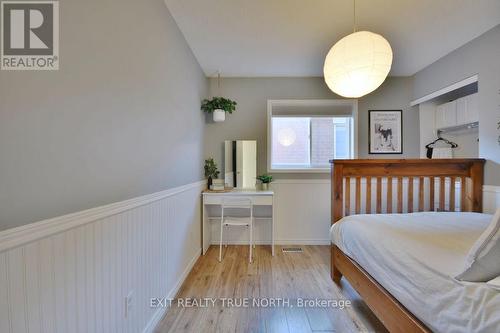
[(263, 200), (212, 199)]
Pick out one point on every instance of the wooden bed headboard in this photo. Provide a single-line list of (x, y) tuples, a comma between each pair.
[(420, 181)]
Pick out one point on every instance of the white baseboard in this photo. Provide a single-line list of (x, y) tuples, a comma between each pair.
[(303, 242), (155, 320), (162, 311), (173, 292), (281, 242)]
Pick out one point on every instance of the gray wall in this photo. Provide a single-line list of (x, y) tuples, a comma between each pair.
[(480, 56), (395, 93), (249, 122), (120, 118)]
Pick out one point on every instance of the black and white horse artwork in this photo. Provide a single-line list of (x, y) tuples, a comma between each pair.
[(384, 137)]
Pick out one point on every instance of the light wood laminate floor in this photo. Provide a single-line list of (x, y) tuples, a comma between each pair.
[(287, 275)]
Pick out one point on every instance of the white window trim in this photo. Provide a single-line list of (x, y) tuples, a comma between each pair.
[(309, 102), (351, 141)]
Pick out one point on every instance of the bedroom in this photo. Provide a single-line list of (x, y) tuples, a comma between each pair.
[(106, 224)]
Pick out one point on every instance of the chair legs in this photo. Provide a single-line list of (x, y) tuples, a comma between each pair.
[(251, 240)]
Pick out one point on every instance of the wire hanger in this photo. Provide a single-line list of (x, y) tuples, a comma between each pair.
[(430, 146), (452, 144)]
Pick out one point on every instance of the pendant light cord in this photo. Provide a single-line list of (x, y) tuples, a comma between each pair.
[(354, 15), (218, 82)]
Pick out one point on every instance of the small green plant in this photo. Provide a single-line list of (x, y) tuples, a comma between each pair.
[(266, 179), (217, 103), (211, 168)]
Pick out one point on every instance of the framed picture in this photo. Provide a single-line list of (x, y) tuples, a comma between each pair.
[(385, 131)]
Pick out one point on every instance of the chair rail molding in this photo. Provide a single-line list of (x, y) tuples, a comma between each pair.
[(13, 237)]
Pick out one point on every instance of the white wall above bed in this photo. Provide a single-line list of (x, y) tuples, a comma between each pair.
[(303, 212)]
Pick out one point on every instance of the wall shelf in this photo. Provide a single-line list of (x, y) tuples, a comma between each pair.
[(458, 128), (473, 80)]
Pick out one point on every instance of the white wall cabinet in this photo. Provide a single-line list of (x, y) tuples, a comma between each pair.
[(440, 116), (467, 110), (446, 114), (461, 111)]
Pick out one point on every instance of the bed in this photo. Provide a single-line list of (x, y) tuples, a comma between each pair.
[(402, 233)]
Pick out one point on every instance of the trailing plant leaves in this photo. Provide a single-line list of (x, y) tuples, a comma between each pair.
[(265, 178), (216, 103)]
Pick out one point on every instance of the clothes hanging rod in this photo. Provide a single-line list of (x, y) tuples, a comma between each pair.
[(458, 128)]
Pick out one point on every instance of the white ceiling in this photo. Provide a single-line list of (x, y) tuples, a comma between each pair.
[(248, 38)]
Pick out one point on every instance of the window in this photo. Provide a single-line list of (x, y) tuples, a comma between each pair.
[(291, 142), (304, 143)]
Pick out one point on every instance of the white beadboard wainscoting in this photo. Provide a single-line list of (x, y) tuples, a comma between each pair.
[(491, 198), (303, 210), (73, 273)]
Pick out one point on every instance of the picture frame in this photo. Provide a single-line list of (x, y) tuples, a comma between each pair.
[(385, 131)]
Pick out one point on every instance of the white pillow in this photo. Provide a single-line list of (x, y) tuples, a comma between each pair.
[(495, 283), (483, 260)]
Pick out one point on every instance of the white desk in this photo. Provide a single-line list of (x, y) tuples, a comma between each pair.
[(258, 198)]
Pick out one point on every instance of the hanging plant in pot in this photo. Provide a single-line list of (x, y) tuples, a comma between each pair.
[(218, 106)]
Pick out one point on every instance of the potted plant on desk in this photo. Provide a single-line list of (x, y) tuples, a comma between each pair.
[(265, 180), (211, 171)]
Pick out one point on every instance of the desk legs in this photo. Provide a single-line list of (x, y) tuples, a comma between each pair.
[(206, 227), (273, 219), (205, 232)]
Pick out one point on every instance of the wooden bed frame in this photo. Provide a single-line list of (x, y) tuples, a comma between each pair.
[(469, 172)]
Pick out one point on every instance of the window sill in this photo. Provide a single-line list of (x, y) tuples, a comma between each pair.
[(298, 170)]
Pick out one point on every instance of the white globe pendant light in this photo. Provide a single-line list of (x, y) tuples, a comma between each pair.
[(287, 137), (357, 64)]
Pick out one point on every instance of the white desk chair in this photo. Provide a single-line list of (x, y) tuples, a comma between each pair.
[(227, 220)]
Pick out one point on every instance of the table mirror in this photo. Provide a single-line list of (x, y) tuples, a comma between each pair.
[(240, 163)]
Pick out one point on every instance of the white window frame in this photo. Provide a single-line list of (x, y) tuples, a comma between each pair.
[(351, 141), (353, 103)]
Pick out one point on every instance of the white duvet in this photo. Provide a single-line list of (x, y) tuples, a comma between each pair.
[(415, 256)]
